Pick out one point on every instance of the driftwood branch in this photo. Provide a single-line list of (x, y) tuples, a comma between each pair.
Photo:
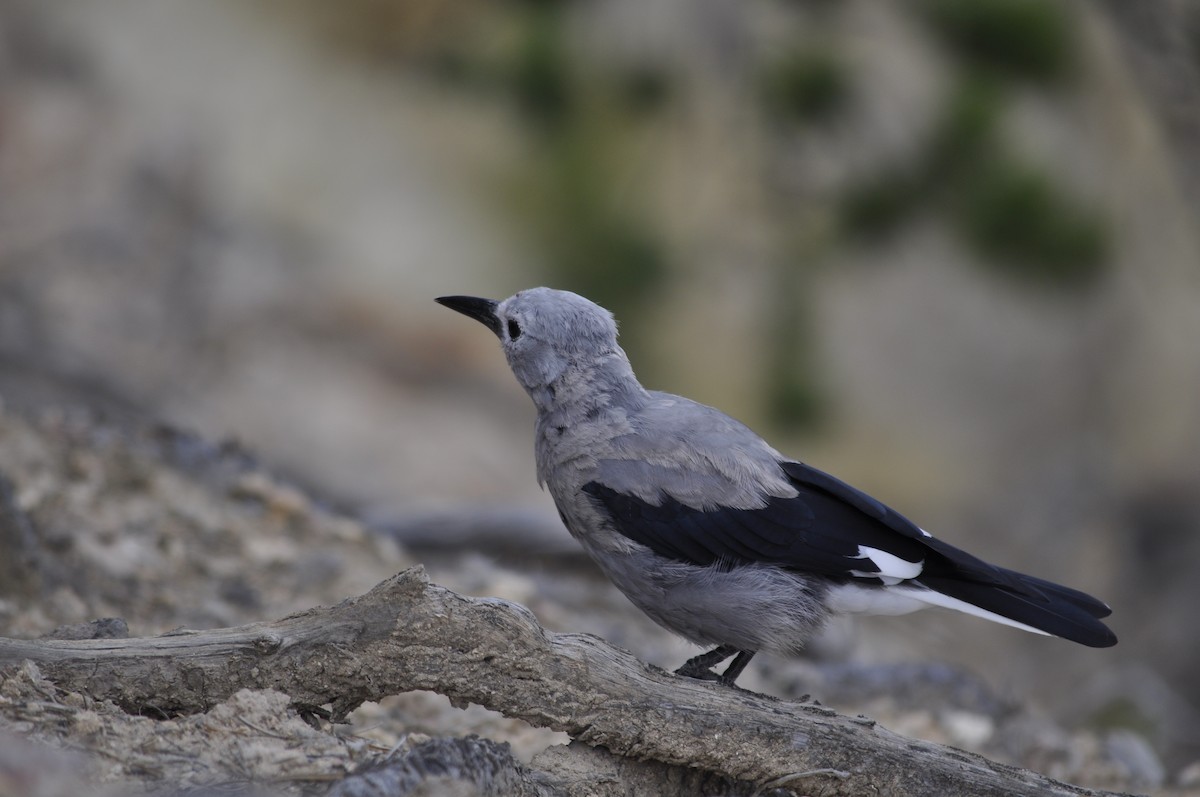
[(408, 634)]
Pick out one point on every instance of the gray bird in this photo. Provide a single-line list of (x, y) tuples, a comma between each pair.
[(712, 532)]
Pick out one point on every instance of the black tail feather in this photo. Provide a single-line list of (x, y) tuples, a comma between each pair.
[(1049, 607), (1082, 600)]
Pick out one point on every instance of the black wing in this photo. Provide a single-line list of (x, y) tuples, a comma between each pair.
[(816, 532), (821, 530)]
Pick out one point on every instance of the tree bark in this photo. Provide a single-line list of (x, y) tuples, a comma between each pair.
[(408, 634)]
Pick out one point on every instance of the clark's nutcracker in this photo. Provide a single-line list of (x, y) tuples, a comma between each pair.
[(712, 532)]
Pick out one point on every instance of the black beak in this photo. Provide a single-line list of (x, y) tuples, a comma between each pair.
[(482, 310)]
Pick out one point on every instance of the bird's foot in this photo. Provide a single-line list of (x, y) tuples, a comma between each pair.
[(700, 667), (701, 675)]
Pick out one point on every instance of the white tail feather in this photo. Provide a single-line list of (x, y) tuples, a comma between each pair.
[(902, 599)]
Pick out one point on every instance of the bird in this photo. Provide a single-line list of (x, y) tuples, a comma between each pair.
[(710, 531)]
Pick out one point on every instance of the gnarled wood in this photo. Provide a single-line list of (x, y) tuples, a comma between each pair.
[(408, 634)]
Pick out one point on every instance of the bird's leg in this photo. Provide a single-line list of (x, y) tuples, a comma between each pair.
[(701, 666), (736, 666)]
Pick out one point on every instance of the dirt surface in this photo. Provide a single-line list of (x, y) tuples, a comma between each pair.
[(163, 529), (249, 245)]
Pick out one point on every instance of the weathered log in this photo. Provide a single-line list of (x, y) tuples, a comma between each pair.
[(408, 634)]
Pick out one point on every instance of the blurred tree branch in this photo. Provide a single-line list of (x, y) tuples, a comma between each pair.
[(408, 634)]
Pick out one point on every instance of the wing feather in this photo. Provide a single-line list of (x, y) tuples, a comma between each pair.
[(836, 531)]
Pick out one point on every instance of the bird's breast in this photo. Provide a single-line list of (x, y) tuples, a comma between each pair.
[(567, 444)]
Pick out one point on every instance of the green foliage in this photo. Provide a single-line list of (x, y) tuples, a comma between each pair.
[(805, 85), (794, 396), (596, 241), (1028, 228), (1031, 39), (610, 258), (877, 206), (966, 132), (965, 135), (644, 89), (539, 79), (1123, 712), (575, 195), (793, 400), (1010, 213)]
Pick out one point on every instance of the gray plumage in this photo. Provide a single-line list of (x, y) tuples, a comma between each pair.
[(708, 529)]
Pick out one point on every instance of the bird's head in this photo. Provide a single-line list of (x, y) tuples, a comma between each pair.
[(546, 334)]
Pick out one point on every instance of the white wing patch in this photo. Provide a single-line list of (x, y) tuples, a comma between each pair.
[(892, 569)]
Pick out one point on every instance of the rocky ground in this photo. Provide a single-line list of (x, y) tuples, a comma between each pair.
[(236, 218), (162, 529)]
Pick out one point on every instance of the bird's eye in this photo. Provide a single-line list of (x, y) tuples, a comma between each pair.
[(514, 330)]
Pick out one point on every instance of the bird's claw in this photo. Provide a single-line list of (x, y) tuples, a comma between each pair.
[(700, 674)]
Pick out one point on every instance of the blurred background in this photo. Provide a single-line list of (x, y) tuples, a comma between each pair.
[(947, 250)]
